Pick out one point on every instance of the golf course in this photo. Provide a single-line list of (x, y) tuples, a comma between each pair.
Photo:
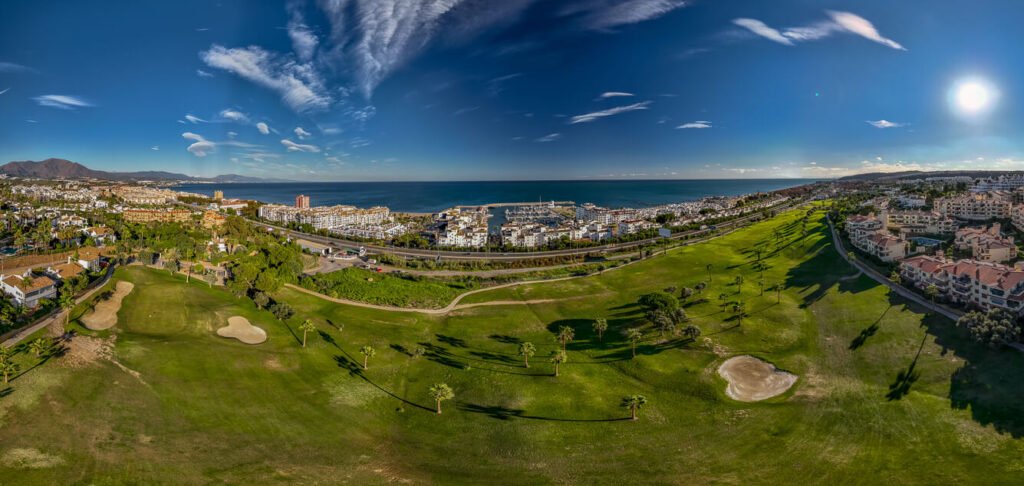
[(873, 389)]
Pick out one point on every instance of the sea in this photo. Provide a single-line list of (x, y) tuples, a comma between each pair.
[(428, 197)]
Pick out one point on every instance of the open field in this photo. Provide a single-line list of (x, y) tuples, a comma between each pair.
[(884, 394)]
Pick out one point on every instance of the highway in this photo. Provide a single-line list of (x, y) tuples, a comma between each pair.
[(341, 244)]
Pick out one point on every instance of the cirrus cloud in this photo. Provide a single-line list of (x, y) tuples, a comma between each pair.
[(299, 147), (596, 115)]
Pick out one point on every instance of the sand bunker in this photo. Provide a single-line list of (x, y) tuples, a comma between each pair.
[(104, 314), (752, 380), (239, 328)]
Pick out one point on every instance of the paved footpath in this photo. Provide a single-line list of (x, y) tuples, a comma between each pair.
[(902, 291)]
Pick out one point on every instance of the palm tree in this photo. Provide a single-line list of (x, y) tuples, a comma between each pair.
[(8, 368), (895, 278), (67, 302), (557, 358), (739, 284), (850, 255), (307, 327), (526, 350), (634, 335), (708, 267), (931, 291), (367, 352), (741, 311), (441, 392), (634, 403), (6, 354), (600, 326), (778, 292), (565, 334), (39, 346)]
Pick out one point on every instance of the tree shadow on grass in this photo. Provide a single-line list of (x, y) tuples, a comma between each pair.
[(869, 331), (6, 391), (906, 378), (506, 339), (355, 369), (328, 338), (505, 413), (451, 341)]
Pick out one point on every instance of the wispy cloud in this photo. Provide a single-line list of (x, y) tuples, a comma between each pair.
[(695, 124), (155, 148), (838, 22), (203, 74), (304, 41), (885, 124), (551, 137), (613, 13), (4, 91), (858, 25), (234, 115), (614, 94), (200, 147), (299, 84), (194, 119), (762, 29), (299, 147), (301, 133), (10, 67), (596, 115), (463, 111), (63, 102), (263, 128)]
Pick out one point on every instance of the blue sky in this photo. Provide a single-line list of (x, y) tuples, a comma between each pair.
[(517, 89)]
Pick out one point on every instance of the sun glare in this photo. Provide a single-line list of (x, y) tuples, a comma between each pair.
[(973, 97)]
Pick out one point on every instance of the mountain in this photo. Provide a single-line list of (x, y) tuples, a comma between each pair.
[(918, 174), (66, 169)]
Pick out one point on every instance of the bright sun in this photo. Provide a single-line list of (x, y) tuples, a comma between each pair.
[(973, 97)]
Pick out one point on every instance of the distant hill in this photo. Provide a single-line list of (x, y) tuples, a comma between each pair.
[(66, 169), (919, 174)]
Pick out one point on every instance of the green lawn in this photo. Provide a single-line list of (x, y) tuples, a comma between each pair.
[(203, 409)]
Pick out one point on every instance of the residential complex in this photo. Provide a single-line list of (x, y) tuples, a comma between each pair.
[(157, 215), (915, 222), (975, 206), (972, 283), (338, 219), (986, 244)]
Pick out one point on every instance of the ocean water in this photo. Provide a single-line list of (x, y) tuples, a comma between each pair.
[(425, 197)]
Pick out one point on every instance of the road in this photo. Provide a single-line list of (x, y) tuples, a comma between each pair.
[(338, 243), (884, 280)]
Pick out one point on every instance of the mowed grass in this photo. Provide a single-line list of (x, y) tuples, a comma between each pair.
[(385, 289), (205, 409)]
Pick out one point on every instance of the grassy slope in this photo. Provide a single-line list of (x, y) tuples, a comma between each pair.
[(216, 410)]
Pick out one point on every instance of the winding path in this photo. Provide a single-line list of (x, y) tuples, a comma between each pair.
[(882, 279)]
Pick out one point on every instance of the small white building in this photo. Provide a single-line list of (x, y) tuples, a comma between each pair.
[(28, 291)]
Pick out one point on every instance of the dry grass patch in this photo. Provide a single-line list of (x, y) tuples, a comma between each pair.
[(28, 458), (104, 315)]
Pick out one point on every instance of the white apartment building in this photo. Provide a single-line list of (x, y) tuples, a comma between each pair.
[(985, 285), (1001, 183), (975, 206), (868, 234), (920, 222), (325, 217)]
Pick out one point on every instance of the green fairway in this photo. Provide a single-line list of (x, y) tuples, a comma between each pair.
[(885, 394)]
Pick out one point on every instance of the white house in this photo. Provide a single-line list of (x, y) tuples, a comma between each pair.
[(28, 291)]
